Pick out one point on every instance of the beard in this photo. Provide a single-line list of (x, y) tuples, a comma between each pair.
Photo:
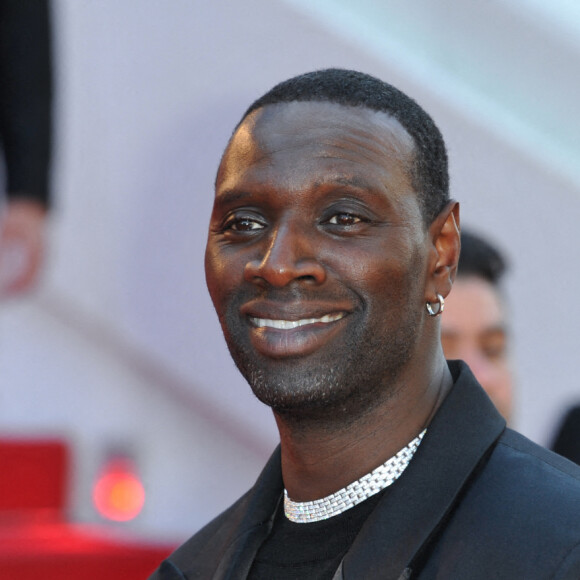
[(343, 381)]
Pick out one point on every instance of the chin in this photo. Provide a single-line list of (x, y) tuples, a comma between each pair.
[(292, 389)]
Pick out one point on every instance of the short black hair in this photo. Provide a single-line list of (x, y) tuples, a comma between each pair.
[(429, 169), (479, 257)]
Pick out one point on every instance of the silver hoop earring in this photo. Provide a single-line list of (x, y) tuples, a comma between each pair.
[(429, 306)]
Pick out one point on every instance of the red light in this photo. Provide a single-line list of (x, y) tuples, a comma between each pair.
[(118, 493)]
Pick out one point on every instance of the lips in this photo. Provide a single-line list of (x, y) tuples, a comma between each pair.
[(292, 334), (290, 324)]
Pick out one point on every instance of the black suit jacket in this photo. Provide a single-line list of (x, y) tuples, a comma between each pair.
[(477, 502)]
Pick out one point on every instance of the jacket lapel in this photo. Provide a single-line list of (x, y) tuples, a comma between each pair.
[(257, 516), (400, 528)]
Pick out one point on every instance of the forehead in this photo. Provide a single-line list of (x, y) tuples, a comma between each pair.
[(318, 136)]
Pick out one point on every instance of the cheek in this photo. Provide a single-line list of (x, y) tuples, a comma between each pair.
[(394, 281), (216, 275), (503, 374), (224, 275), (389, 291), (368, 261)]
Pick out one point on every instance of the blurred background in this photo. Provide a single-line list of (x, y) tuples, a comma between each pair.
[(118, 351)]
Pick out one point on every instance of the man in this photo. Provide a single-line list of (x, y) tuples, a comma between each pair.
[(25, 131), (331, 248), (474, 327)]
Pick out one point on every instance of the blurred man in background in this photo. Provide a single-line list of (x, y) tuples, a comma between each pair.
[(474, 327), (25, 135)]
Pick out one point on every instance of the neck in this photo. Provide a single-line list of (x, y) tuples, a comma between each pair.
[(320, 457)]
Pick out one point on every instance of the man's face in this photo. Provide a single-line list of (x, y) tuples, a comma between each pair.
[(473, 328), (316, 255)]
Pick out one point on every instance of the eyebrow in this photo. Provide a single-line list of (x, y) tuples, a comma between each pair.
[(233, 196), (356, 181)]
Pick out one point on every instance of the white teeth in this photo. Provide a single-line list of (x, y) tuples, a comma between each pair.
[(289, 324)]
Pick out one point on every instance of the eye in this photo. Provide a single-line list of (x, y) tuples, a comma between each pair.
[(494, 352), (494, 347), (344, 219), (243, 224)]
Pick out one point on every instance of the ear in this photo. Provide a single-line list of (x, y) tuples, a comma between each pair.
[(444, 254)]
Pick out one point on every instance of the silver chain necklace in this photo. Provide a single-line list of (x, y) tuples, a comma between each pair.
[(303, 512)]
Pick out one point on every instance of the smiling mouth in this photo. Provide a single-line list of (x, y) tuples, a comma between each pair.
[(290, 324)]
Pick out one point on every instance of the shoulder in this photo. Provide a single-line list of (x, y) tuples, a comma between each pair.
[(524, 485), (518, 517), (526, 501), (527, 460)]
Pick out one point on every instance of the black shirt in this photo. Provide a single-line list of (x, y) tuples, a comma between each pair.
[(310, 551)]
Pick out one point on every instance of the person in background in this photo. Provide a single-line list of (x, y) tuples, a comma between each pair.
[(567, 439), (25, 140), (474, 327)]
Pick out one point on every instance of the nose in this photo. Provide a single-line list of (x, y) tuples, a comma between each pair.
[(290, 256)]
